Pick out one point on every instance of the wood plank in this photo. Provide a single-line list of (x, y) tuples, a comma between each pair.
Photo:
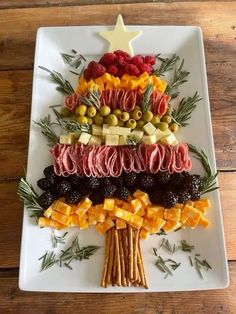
[(11, 215), (214, 301), (21, 37)]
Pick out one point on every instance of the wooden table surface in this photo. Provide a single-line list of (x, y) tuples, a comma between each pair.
[(19, 21)]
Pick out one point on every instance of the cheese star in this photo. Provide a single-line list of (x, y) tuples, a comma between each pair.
[(120, 38)]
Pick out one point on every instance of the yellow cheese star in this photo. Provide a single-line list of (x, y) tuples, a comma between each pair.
[(120, 38)]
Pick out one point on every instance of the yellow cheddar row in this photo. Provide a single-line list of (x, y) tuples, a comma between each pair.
[(108, 81)]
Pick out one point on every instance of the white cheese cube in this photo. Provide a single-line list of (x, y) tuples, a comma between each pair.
[(84, 138), (96, 130), (95, 140), (105, 129), (63, 139), (169, 139), (122, 140), (124, 131), (114, 130), (138, 135), (160, 134), (149, 139), (112, 139), (149, 128)]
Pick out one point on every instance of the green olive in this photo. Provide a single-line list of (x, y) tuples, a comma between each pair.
[(82, 119), (140, 124), (81, 110), (174, 127), (169, 111), (65, 112), (137, 108), (105, 111), (131, 124), (124, 116), (112, 120), (166, 118), (147, 116), (120, 123), (90, 121), (136, 114), (162, 126), (117, 112), (91, 112), (155, 120), (98, 119)]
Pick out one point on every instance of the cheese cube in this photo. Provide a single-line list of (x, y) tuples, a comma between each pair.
[(112, 140), (114, 130), (144, 234), (124, 131), (105, 129), (62, 208), (203, 221), (138, 135), (136, 205), (122, 140), (155, 211), (160, 134), (95, 140), (103, 227), (141, 212), (150, 139), (135, 221), (48, 212), (143, 197), (72, 138), (120, 223), (149, 128), (121, 213), (47, 222), (85, 205), (96, 130), (172, 214), (169, 140), (171, 225), (100, 213), (84, 138), (83, 222), (74, 220), (63, 139), (109, 204), (62, 219)]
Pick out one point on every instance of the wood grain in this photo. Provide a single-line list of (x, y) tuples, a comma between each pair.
[(15, 301), (11, 215)]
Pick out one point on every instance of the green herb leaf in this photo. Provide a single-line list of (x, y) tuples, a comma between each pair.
[(74, 60), (147, 97), (48, 260), (57, 239), (166, 244), (167, 64), (186, 247), (28, 195), (92, 98), (46, 126), (132, 141)]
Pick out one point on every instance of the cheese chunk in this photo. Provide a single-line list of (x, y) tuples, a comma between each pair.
[(95, 140), (63, 139), (169, 139), (149, 128), (84, 138), (149, 139), (122, 140), (138, 135), (105, 129), (96, 130), (112, 140), (160, 134), (124, 131)]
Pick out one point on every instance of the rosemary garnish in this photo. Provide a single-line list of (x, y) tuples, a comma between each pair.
[(162, 232), (180, 77), (46, 125), (147, 97), (185, 247), (163, 266), (132, 141), (208, 181), (28, 195), (199, 264), (63, 85), (166, 64), (185, 109), (166, 244), (48, 260), (190, 260), (57, 239), (92, 98), (74, 60)]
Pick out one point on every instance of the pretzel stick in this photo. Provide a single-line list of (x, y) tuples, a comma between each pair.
[(126, 254), (136, 237), (107, 249), (122, 260), (114, 272), (117, 254), (141, 268), (130, 247), (111, 256)]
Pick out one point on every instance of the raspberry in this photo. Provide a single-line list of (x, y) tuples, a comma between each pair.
[(113, 70), (131, 69), (108, 59), (150, 60), (87, 74), (121, 61), (124, 54), (97, 70), (120, 72), (137, 60), (91, 64), (145, 68)]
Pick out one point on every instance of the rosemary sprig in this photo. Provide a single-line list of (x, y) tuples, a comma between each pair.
[(57, 239), (74, 60), (63, 85), (163, 266), (28, 195), (132, 141), (180, 77), (162, 232), (208, 181), (46, 126), (48, 260), (147, 97), (186, 247), (185, 109), (167, 64), (166, 244), (92, 98)]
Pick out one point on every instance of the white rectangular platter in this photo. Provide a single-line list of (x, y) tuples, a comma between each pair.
[(86, 275)]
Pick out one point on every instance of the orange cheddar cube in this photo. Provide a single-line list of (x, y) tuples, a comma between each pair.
[(203, 221), (84, 206), (100, 213), (143, 197), (136, 205), (92, 219), (135, 221), (47, 222), (121, 213), (103, 227), (178, 205), (155, 211), (48, 212), (75, 220), (172, 214), (83, 222), (62, 208), (62, 219), (141, 212), (144, 76), (144, 234), (189, 212), (171, 225), (190, 203), (120, 223), (73, 209), (191, 223), (109, 204)]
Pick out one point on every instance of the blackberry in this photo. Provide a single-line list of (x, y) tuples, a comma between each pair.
[(63, 187), (169, 199), (130, 179), (96, 197), (109, 190), (74, 197), (192, 184), (195, 196), (146, 181), (118, 181), (177, 179), (46, 199), (105, 181), (162, 177), (48, 171), (45, 183), (93, 183), (122, 192), (83, 189), (155, 197), (74, 180), (183, 197)]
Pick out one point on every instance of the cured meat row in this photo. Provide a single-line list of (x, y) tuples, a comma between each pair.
[(103, 161)]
